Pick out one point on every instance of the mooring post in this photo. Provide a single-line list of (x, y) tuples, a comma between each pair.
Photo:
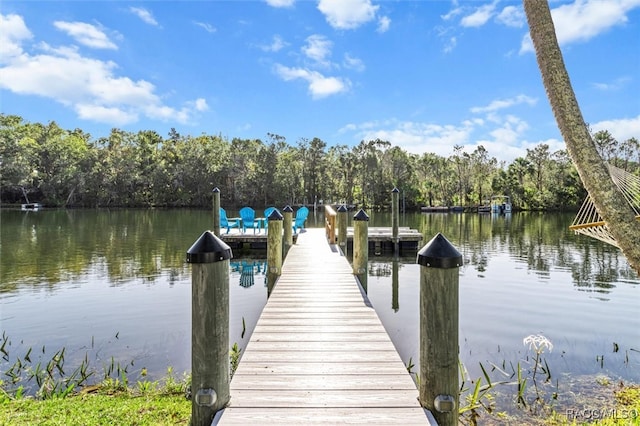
[(439, 350), (209, 327), (395, 286), (361, 246), (288, 227), (216, 211), (274, 243), (342, 228), (395, 219)]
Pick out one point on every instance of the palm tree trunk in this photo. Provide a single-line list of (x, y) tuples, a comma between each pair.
[(608, 200)]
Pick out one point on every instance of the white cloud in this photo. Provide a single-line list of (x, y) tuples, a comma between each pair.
[(353, 63), (319, 85), (480, 16), (145, 15), (280, 3), (200, 104), (318, 48), (415, 137), (616, 84), (88, 86), (112, 115), (277, 44), (505, 141), (86, 34), (450, 44), (13, 32), (207, 27), (383, 24), (452, 14), (347, 14), (504, 136), (512, 16), (585, 19), (621, 129), (499, 104)]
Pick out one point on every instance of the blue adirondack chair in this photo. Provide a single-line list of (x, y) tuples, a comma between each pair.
[(248, 216), (226, 223), (301, 217), (267, 212)]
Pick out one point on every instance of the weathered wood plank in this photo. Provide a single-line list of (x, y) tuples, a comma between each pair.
[(326, 416), (344, 356), (318, 368), (317, 398), (316, 345), (323, 382), (324, 337)]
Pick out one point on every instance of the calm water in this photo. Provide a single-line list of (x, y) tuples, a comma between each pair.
[(108, 284)]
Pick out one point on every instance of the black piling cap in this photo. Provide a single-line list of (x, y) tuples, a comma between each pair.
[(361, 215), (287, 209), (208, 249), (395, 190), (215, 189), (275, 215), (342, 208), (439, 253)]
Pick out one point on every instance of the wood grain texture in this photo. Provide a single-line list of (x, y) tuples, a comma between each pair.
[(319, 353)]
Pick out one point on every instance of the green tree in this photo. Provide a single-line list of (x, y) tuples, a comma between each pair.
[(483, 167)]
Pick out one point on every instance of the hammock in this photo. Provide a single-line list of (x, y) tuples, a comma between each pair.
[(589, 222)]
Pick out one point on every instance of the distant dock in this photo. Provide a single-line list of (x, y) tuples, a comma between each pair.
[(380, 239)]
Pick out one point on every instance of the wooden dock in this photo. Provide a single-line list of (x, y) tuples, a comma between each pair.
[(380, 239), (319, 353)]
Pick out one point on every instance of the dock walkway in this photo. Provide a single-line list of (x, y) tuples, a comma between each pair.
[(319, 353)]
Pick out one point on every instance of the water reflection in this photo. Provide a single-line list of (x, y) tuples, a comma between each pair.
[(523, 274), (248, 269), (99, 272)]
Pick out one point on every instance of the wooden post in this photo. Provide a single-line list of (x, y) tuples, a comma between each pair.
[(439, 350), (209, 327), (216, 211), (395, 286), (274, 243), (361, 246), (330, 224), (288, 227), (342, 228), (395, 219)]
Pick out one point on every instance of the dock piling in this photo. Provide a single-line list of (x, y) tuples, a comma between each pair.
[(288, 227), (439, 350), (342, 228), (210, 376), (274, 243), (361, 246), (395, 219), (216, 211)]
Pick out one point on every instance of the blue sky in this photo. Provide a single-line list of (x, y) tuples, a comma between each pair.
[(424, 75)]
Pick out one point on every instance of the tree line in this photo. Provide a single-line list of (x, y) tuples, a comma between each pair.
[(57, 167)]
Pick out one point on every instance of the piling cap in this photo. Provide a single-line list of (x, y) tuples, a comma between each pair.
[(361, 215), (439, 253), (215, 189), (208, 249), (287, 209), (275, 215), (342, 208), (395, 190)]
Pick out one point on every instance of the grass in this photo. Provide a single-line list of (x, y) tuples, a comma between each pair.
[(120, 408), (109, 403)]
